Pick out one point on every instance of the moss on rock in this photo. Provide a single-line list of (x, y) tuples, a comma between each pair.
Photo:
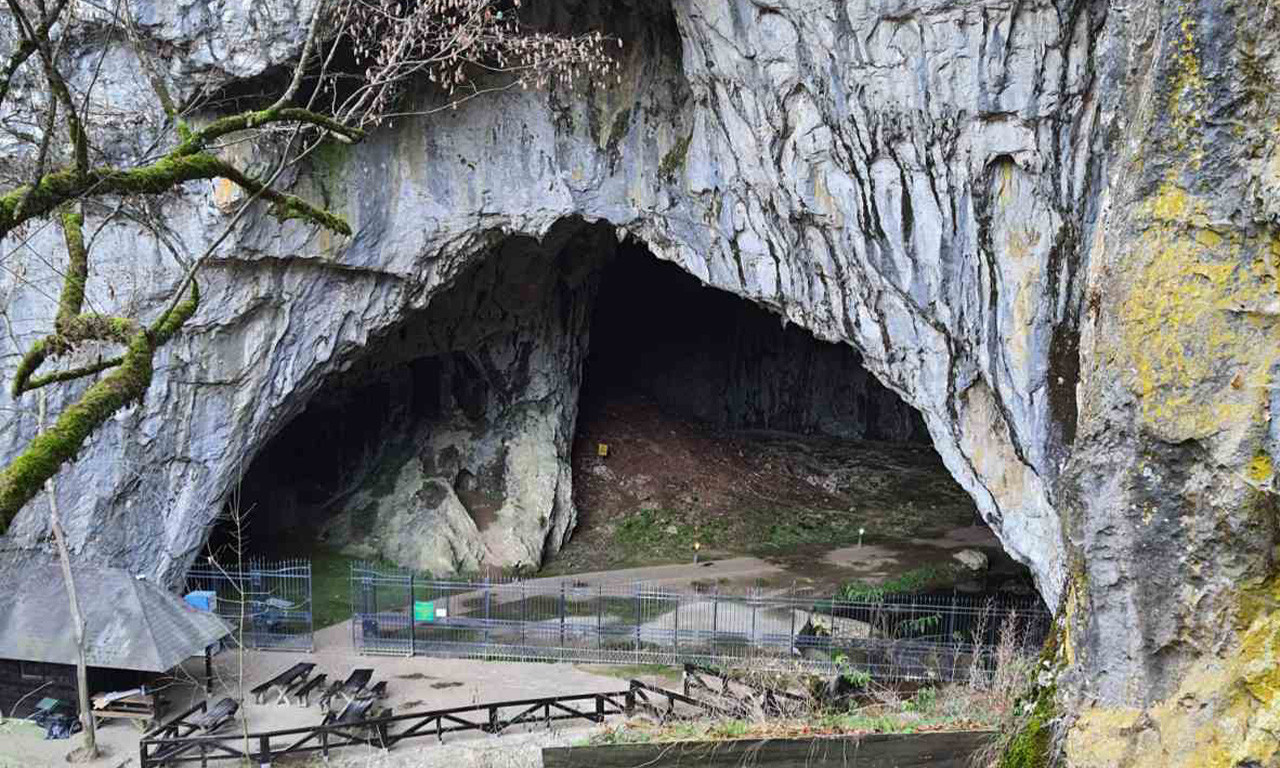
[(675, 157), (1031, 746)]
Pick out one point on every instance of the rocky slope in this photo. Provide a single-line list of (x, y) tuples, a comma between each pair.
[(1047, 224)]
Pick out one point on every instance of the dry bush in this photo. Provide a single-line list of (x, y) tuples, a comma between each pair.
[(752, 707), (448, 43)]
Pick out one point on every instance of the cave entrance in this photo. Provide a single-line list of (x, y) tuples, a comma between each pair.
[(706, 424), (575, 385)]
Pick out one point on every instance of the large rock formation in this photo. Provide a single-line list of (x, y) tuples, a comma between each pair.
[(1048, 225)]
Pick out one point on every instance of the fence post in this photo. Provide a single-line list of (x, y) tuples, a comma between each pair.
[(524, 640), (835, 626), (951, 618), (715, 619), (487, 593), (311, 612), (792, 611), (264, 751), (562, 614), (636, 587), (600, 621), (754, 597), (676, 614), (413, 619)]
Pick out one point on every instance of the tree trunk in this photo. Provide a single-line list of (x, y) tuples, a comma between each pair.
[(77, 618)]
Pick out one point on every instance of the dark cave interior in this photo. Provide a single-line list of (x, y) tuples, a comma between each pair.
[(563, 333), (716, 358)]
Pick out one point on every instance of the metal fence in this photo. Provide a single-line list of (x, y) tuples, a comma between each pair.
[(892, 636), (268, 602)]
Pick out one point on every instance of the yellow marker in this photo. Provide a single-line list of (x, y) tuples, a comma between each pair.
[(602, 450)]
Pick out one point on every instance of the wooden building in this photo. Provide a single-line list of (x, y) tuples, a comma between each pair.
[(136, 631)]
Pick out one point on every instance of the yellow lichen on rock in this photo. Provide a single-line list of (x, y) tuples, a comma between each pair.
[(1260, 470), (1225, 714), (1199, 324), (1189, 95)]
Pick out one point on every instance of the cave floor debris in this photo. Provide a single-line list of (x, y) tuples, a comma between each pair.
[(772, 510)]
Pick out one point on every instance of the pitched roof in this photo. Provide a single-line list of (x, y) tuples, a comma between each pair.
[(130, 623)]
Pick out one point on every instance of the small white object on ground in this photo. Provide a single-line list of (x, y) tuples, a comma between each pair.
[(972, 559)]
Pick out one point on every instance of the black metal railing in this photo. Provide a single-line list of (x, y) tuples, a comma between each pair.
[(268, 602), (166, 745), (891, 636)]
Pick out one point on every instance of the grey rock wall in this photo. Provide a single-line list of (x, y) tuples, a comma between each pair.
[(1049, 225), (908, 180), (446, 446)]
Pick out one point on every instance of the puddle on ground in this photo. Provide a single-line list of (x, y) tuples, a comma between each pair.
[(446, 684)]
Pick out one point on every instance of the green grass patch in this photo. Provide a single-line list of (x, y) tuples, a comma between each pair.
[(949, 708), (920, 579), (330, 578), (646, 535)]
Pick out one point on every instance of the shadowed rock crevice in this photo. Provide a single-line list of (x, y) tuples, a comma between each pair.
[(441, 444)]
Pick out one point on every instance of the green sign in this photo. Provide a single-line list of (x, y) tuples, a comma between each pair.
[(424, 611)]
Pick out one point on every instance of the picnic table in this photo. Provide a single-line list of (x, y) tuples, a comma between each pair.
[(216, 717), (350, 688), (137, 704), (188, 724), (282, 682), (354, 712)]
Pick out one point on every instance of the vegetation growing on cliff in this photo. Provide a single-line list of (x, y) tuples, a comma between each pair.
[(66, 173)]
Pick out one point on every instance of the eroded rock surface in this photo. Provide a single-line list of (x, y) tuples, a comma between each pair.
[(1048, 225), (781, 155)]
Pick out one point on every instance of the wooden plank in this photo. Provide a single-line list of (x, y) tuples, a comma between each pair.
[(924, 750)]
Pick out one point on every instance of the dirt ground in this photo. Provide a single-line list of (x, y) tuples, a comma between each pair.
[(773, 510), (412, 683)]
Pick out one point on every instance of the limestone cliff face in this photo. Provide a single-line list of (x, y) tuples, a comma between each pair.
[(1169, 498), (911, 181), (1048, 225)]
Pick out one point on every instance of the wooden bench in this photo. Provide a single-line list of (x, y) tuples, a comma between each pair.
[(302, 696), (281, 683), (329, 693), (218, 716), (378, 691)]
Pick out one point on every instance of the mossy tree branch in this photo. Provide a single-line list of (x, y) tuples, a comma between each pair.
[(72, 299), (23, 478), (70, 326), (60, 187), (72, 374), (199, 140)]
